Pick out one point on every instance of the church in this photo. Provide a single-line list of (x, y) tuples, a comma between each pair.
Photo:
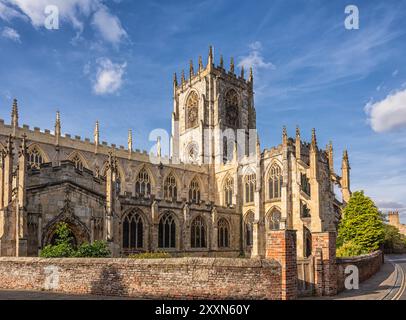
[(217, 193)]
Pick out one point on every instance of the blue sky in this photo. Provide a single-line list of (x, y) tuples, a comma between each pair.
[(113, 61)]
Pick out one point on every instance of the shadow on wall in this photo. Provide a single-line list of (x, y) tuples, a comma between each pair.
[(110, 282)]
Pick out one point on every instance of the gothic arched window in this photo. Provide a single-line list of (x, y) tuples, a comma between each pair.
[(143, 184), (249, 187), (223, 233), (248, 226), (198, 233), (35, 158), (167, 231), (133, 231), (192, 110), (77, 162), (275, 182), (170, 189), (274, 220), (194, 191), (232, 108), (228, 191)]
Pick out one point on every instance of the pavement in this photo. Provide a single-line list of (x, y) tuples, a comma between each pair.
[(387, 284)]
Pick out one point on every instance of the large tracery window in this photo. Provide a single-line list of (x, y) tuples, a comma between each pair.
[(198, 233), (194, 191), (223, 233), (192, 110), (35, 158), (228, 191), (167, 231), (249, 187), (77, 162), (170, 189), (132, 231), (275, 182), (274, 220), (248, 226), (232, 109), (143, 184)]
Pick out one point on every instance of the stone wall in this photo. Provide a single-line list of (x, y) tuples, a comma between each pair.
[(367, 265), (193, 278)]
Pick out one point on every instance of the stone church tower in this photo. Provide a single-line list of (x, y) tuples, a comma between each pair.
[(217, 194)]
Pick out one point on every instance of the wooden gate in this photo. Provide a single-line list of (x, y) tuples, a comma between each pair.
[(305, 276)]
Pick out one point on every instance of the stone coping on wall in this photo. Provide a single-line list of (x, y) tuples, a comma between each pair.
[(359, 258), (189, 261)]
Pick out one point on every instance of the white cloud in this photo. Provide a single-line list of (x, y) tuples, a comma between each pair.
[(395, 73), (389, 113), (254, 59), (73, 12), (109, 76), (10, 33), (109, 26)]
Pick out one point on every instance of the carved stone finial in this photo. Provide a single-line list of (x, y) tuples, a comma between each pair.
[(183, 80), (232, 67), (200, 64), (297, 131), (130, 140), (314, 139), (221, 62), (191, 70), (242, 72), (175, 80)]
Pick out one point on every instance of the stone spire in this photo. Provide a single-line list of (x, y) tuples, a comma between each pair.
[(298, 143), (284, 136), (232, 67), (96, 135), (314, 140), (130, 142), (175, 80), (330, 156), (183, 80), (57, 127), (221, 62), (242, 72), (251, 77), (210, 59), (14, 117), (191, 70), (200, 64), (345, 177)]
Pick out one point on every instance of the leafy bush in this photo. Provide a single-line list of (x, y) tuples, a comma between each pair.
[(97, 249), (362, 225), (350, 249), (61, 250), (65, 249), (150, 255)]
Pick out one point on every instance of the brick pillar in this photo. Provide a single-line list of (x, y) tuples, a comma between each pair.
[(281, 247), (324, 250)]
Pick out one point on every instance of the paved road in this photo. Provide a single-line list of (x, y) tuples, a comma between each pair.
[(399, 262)]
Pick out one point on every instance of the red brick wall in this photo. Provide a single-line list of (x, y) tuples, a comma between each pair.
[(281, 247), (324, 250), (212, 278), (367, 265)]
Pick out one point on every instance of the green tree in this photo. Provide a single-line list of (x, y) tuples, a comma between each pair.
[(394, 241), (362, 225)]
